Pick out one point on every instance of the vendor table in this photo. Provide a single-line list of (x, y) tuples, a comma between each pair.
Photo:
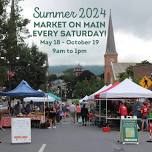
[(35, 120), (116, 118), (114, 122)]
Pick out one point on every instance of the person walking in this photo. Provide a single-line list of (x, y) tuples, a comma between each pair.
[(57, 108), (52, 116), (84, 115), (72, 110), (78, 111), (145, 113)]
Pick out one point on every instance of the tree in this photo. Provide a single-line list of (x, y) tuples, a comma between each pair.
[(127, 74), (144, 62), (31, 64), (87, 87), (3, 5), (15, 31), (86, 75), (52, 77)]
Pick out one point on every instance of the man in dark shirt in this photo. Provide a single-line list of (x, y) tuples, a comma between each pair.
[(84, 114), (137, 109)]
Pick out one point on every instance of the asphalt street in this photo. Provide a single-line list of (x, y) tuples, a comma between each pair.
[(69, 137)]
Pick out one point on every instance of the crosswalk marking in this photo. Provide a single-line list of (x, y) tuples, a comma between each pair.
[(42, 148)]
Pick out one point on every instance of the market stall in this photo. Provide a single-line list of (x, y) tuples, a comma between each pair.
[(97, 97), (124, 90), (22, 90)]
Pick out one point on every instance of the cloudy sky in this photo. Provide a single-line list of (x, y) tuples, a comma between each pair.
[(132, 23)]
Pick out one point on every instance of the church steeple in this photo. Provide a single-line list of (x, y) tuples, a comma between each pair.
[(110, 48), (110, 54)]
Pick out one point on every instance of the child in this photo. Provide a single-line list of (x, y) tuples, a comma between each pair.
[(90, 117)]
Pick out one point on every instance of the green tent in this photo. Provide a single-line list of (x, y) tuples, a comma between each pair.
[(54, 96)]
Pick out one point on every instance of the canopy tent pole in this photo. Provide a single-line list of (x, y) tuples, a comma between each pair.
[(44, 110), (99, 111), (106, 110), (46, 100)]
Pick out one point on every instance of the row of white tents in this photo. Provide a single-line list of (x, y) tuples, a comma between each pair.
[(125, 89)]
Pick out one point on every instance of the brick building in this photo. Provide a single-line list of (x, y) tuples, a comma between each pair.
[(110, 54)]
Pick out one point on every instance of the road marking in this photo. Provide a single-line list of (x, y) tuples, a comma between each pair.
[(42, 148)]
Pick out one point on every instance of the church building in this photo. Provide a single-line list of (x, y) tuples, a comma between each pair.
[(112, 68)]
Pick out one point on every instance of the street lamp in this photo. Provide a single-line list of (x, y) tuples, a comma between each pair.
[(17, 58), (2, 57)]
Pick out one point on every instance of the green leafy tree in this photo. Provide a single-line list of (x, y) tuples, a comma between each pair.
[(86, 75), (86, 84), (15, 32), (3, 4), (127, 74), (87, 87), (31, 64), (32, 67), (145, 62), (52, 77), (3, 19)]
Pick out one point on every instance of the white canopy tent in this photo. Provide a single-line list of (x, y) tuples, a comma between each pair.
[(45, 99), (92, 96), (39, 99), (127, 89), (84, 99)]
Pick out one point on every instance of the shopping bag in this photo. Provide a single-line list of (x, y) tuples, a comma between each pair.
[(80, 120)]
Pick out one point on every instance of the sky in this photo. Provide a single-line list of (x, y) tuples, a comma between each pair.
[(132, 22)]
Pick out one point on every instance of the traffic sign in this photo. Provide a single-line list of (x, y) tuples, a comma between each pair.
[(145, 82)]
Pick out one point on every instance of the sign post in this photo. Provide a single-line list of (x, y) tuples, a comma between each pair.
[(129, 130), (21, 130)]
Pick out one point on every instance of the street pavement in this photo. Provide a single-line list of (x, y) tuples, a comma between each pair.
[(68, 137)]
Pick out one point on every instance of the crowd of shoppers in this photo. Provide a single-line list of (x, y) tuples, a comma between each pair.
[(139, 109), (76, 112)]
